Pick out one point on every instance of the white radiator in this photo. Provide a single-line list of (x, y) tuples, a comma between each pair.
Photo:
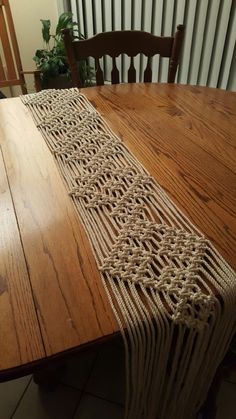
[(209, 52)]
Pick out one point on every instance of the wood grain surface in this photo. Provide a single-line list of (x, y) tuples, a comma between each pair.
[(184, 136), (20, 339), (71, 303)]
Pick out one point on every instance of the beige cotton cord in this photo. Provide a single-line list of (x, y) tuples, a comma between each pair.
[(172, 293)]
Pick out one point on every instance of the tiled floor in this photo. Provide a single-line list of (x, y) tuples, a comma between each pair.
[(92, 388)]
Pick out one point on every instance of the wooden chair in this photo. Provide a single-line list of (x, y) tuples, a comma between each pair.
[(11, 73), (130, 43)]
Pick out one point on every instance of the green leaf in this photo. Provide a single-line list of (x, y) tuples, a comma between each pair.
[(46, 30), (52, 62), (39, 53), (45, 67), (79, 36), (64, 21)]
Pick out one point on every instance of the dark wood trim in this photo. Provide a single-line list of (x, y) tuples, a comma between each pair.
[(54, 360)]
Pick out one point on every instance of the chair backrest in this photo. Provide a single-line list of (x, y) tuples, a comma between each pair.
[(10, 62), (130, 43)]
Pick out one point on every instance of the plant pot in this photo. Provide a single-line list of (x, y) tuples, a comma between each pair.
[(59, 82)]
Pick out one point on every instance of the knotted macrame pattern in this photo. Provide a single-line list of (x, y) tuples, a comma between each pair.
[(172, 293)]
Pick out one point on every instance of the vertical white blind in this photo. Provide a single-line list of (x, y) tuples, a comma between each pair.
[(209, 52)]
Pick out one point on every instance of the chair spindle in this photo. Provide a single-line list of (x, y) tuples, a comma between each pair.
[(115, 77), (99, 73), (131, 71), (148, 71)]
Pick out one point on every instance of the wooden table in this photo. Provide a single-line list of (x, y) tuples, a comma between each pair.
[(51, 297)]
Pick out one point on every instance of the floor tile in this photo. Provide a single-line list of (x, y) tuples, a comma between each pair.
[(93, 408), (226, 403), (78, 369), (108, 376), (41, 404), (10, 394)]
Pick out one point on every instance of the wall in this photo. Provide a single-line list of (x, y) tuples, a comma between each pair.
[(26, 15)]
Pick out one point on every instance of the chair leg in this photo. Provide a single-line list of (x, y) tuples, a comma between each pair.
[(23, 89), (49, 376), (209, 408), (228, 365), (37, 81), (2, 96)]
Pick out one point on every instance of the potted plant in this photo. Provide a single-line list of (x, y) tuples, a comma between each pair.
[(52, 60)]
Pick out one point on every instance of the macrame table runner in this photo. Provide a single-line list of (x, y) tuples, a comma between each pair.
[(172, 293)]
